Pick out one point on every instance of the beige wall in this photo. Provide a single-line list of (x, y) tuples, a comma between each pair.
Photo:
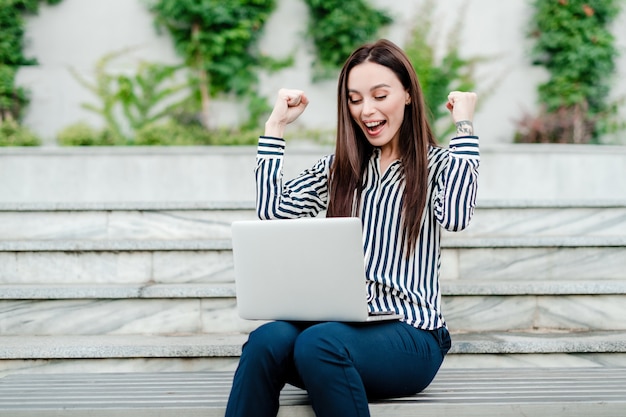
[(76, 33)]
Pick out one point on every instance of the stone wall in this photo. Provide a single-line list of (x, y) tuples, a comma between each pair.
[(513, 173)]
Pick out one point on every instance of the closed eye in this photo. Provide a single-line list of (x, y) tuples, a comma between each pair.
[(380, 97)]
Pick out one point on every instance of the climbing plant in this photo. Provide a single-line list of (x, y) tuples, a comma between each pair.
[(574, 43), (12, 97), (337, 27), (218, 41), (129, 103)]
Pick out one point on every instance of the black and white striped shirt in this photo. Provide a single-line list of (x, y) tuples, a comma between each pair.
[(408, 285)]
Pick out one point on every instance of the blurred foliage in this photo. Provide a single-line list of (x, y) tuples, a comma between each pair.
[(128, 103), (572, 124), (12, 134), (315, 136), (168, 133), (151, 93), (338, 27), (105, 88), (176, 134), (172, 133), (218, 41), (574, 42), (82, 134), (13, 98)]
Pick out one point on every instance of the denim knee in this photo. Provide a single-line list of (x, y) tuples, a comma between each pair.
[(271, 341), (315, 346)]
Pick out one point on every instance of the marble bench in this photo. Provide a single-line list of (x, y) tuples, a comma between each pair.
[(468, 392)]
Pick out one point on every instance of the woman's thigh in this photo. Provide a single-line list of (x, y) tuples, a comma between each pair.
[(392, 358)]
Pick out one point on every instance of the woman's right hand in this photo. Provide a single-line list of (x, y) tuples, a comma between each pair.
[(288, 107)]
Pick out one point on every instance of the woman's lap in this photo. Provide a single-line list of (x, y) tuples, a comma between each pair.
[(391, 358)]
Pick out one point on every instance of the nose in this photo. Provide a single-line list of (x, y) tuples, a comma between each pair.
[(368, 107)]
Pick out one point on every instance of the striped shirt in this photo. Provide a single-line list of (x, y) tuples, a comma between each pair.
[(408, 285)]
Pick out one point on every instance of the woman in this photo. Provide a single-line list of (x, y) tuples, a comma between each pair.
[(387, 170)]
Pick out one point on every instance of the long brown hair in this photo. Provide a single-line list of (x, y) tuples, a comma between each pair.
[(353, 151)]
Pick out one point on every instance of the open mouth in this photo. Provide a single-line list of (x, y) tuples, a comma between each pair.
[(374, 127)]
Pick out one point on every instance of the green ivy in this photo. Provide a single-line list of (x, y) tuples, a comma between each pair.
[(573, 41), (14, 98), (218, 41), (337, 27)]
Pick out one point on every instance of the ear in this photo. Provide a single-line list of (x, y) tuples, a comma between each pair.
[(407, 100)]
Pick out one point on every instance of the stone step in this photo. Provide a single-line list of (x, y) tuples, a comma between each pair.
[(547, 218), (211, 308), (211, 220), (70, 245), (116, 262), (132, 353), (122, 311), (121, 221), (210, 260), (545, 258), (227, 289)]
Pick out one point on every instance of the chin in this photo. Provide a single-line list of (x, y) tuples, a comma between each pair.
[(378, 142)]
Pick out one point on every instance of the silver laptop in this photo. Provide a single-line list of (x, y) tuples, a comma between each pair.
[(307, 269)]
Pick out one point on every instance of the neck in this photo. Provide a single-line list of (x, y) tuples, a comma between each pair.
[(388, 154)]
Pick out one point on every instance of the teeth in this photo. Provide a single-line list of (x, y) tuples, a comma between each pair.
[(373, 124)]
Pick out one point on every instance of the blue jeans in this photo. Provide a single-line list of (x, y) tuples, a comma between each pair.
[(341, 365)]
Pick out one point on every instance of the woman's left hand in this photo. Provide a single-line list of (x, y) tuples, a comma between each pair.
[(461, 105)]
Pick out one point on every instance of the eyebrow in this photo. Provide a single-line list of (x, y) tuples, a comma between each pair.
[(376, 87)]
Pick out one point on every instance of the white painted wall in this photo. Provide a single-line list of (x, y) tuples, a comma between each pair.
[(76, 33)]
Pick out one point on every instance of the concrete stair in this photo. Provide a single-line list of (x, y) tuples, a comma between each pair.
[(139, 287)]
